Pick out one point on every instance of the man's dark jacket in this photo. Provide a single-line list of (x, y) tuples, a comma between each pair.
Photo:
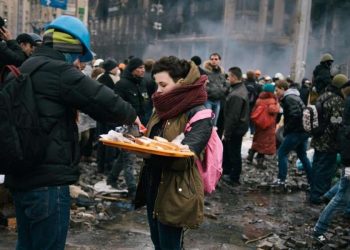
[(236, 111), (129, 88), (322, 77), (60, 90), (106, 80), (292, 111)]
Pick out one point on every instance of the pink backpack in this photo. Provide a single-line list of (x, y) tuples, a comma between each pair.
[(210, 168)]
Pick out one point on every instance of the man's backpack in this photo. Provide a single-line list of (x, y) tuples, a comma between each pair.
[(5, 70), (314, 118), (210, 168), (22, 140)]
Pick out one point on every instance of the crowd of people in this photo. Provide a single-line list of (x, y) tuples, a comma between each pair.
[(80, 97)]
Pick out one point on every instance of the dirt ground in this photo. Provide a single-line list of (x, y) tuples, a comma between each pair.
[(233, 215)]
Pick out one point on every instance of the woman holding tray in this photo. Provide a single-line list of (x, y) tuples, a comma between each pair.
[(170, 187)]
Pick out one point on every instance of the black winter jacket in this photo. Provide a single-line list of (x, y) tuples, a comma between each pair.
[(292, 111), (216, 86), (60, 90), (130, 89), (106, 80), (236, 111), (322, 77)]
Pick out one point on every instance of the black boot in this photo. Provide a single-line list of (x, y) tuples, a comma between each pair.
[(260, 163), (250, 155)]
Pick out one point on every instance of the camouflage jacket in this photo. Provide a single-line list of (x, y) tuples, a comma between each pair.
[(333, 109)]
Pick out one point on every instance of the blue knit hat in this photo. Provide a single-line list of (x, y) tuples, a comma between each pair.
[(268, 87)]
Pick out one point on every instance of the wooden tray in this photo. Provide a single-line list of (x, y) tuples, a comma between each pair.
[(145, 149)]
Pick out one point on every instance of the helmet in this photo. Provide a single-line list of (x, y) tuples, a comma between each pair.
[(74, 27), (98, 62), (327, 57), (267, 78), (339, 80), (279, 76)]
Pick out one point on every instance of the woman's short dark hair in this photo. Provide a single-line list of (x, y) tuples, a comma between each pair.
[(175, 67)]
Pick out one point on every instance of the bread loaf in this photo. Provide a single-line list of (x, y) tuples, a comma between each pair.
[(160, 139), (164, 145), (143, 141)]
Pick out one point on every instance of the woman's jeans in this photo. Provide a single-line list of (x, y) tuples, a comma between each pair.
[(42, 217)]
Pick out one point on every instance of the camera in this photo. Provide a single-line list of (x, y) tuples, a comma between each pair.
[(2, 22)]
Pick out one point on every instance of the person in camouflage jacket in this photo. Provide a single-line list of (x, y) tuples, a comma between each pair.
[(325, 145)]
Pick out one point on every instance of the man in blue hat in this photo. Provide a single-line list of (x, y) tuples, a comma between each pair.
[(41, 196)]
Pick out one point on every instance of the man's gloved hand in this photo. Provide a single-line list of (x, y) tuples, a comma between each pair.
[(347, 172)]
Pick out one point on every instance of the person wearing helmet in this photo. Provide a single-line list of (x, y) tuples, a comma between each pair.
[(278, 76), (326, 145), (41, 195), (322, 73)]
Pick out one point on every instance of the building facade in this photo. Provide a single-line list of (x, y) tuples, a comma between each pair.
[(26, 16), (272, 35)]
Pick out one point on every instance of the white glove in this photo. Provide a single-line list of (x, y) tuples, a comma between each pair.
[(347, 172)]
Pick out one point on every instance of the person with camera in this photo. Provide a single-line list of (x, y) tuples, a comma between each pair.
[(10, 51)]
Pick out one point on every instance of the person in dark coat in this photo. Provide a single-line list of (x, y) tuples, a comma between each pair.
[(106, 154), (10, 51), (295, 138), (322, 73), (198, 61), (236, 113), (129, 88), (305, 90), (150, 85), (110, 76), (41, 195), (216, 86)]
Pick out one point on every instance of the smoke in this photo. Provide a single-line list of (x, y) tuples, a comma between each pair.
[(197, 28), (239, 46), (330, 26)]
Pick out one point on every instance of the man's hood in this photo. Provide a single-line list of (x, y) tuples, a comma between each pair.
[(291, 92)]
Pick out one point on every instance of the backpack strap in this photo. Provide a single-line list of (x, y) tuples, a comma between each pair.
[(10, 68), (199, 115), (30, 66)]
